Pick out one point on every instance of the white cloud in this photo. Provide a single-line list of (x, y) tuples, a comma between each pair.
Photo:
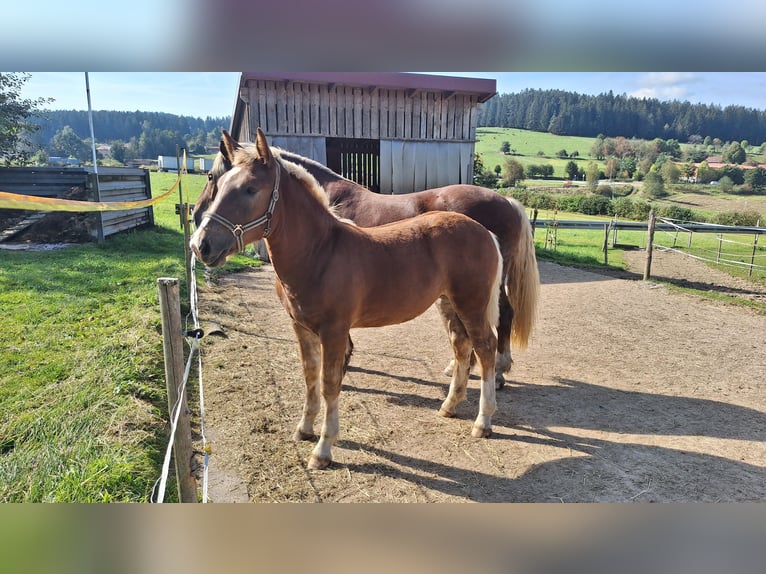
[(666, 85)]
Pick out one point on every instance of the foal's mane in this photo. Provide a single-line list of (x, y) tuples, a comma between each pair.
[(302, 160), (248, 153)]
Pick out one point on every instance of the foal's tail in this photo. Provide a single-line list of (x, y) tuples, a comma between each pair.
[(493, 309), (523, 282)]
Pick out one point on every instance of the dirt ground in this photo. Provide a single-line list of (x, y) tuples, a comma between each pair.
[(628, 392)]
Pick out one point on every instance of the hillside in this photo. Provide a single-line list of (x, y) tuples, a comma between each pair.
[(568, 113), (535, 148)]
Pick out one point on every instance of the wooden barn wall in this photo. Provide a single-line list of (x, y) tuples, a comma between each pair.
[(414, 166), (294, 108), (311, 147), (115, 184)]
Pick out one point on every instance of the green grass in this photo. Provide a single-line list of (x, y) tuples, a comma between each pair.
[(526, 146), (82, 387), (584, 248)]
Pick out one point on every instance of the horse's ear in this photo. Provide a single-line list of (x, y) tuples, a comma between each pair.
[(228, 146), (264, 152), (226, 161)]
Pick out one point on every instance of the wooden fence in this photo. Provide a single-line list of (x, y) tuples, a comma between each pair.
[(112, 184)]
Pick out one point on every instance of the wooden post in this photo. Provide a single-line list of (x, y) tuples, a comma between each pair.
[(649, 245), (172, 345), (606, 244), (184, 209), (752, 256), (720, 243)]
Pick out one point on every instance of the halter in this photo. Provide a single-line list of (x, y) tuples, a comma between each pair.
[(239, 230)]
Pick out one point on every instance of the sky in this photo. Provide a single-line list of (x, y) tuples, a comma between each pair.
[(203, 94)]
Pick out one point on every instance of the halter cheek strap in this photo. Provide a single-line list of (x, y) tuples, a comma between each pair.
[(239, 230)]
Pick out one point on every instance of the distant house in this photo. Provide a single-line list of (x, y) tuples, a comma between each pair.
[(716, 162)]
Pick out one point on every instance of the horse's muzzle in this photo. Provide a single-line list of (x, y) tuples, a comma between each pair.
[(203, 250)]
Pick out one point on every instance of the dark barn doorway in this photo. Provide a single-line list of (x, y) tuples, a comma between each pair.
[(356, 159)]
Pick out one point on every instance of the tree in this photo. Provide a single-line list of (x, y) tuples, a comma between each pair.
[(628, 165), (597, 149), (592, 175), (16, 118), (482, 176), (612, 168), (119, 151), (653, 186), (756, 178), (514, 172), (725, 184), (670, 172), (571, 170), (505, 147), (562, 154), (688, 170), (733, 153), (66, 143)]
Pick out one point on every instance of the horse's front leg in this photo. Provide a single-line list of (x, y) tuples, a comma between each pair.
[(333, 363), (310, 350)]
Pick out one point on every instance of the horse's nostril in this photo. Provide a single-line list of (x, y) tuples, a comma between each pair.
[(204, 248)]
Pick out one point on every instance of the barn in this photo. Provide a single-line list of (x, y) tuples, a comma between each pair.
[(391, 132)]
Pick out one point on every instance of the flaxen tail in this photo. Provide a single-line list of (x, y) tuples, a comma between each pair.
[(523, 283), (493, 309)]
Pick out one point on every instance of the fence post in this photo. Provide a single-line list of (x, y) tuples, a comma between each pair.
[(184, 209), (172, 345), (606, 244), (649, 245), (720, 244), (752, 256)]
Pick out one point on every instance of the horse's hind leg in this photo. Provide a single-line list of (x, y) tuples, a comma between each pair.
[(503, 360), (311, 360), (461, 347), (447, 313), (485, 346)]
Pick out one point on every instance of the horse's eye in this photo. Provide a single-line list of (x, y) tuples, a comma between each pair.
[(251, 191)]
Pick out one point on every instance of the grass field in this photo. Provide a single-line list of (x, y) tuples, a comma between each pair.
[(527, 146), (530, 147), (83, 393)]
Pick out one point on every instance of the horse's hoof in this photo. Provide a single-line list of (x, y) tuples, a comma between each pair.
[(446, 414), (480, 432), (499, 382), (319, 462), (300, 435), (449, 369)]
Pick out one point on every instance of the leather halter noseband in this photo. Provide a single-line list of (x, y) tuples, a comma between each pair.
[(239, 230)]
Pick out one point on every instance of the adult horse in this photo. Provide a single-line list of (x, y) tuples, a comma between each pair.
[(505, 217), (334, 276)]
